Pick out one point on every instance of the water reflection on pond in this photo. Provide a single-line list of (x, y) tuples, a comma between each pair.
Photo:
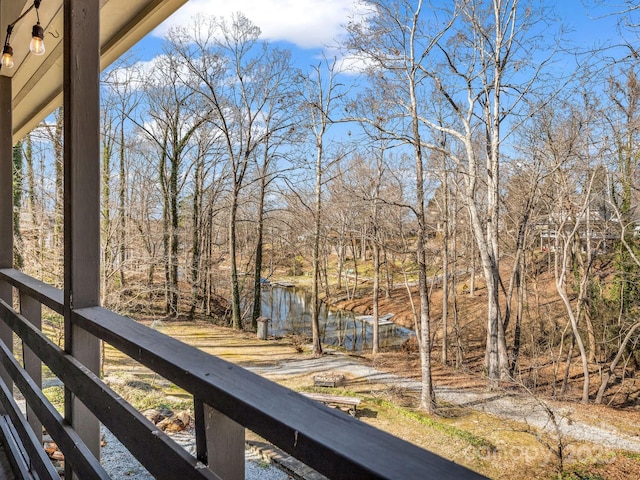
[(290, 312)]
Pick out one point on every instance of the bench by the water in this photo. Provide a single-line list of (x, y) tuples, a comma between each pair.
[(348, 404)]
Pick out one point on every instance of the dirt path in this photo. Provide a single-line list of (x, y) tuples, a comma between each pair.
[(517, 407)]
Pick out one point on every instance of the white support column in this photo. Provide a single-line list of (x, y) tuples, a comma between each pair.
[(6, 207), (82, 195)]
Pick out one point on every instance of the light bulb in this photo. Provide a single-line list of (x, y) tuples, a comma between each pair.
[(7, 57), (37, 40)]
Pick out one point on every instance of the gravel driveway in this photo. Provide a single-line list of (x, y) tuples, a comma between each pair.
[(517, 407)]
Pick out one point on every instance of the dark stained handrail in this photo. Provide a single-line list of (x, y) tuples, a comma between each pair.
[(331, 442), (46, 294), (66, 438), (165, 458)]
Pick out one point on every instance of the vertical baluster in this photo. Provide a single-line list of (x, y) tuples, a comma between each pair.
[(31, 309), (219, 442)]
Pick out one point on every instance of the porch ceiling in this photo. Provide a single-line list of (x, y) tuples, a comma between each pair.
[(37, 81)]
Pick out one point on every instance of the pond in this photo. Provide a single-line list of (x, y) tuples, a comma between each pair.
[(289, 310)]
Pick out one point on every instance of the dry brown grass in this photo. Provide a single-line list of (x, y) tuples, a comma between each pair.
[(460, 434)]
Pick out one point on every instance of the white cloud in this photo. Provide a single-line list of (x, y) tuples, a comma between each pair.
[(305, 23)]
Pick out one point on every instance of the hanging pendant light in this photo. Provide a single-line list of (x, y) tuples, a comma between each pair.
[(37, 33), (37, 37), (7, 51), (7, 56), (37, 40)]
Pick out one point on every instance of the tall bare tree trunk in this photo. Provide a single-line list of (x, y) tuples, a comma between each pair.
[(376, 242), (175, 243), (18, 177), (196, 234), (427, 395), (122, 202), (107, 260), (561, 278), (376, 290), (236, 315), (315, 301), (59, 205), (445, 268), (257, 275)]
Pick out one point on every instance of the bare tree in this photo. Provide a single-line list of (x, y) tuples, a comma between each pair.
[(53, 133), (396, 44), (236, 76), (175, 116), (486, 60), (107, 140), (120, 97), (279, 114), (360, 198), (321, 94), (18, 180), (540, 140), (622, 127), (205, 189), (567, 243), (610, 370), (373, 187)]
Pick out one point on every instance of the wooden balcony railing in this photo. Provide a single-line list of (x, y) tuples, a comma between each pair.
[(227, 399)]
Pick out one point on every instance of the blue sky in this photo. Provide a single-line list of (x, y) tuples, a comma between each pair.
[(307, 26)]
